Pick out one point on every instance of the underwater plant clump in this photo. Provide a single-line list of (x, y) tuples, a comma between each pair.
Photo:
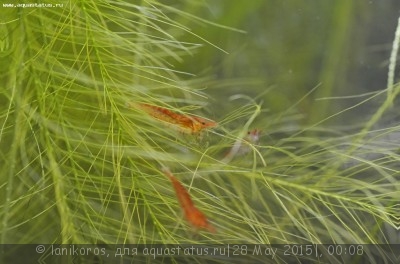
[(95, 109)]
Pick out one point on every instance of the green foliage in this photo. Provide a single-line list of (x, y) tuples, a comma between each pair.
[(80, 166)]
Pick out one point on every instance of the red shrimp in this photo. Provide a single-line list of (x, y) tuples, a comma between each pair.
[(186, 123), (193, 215)]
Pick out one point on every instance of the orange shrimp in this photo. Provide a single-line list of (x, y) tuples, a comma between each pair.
[(193, 215), (186, 123)]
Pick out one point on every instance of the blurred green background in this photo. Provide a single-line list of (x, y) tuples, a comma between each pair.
[(293, 46)]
